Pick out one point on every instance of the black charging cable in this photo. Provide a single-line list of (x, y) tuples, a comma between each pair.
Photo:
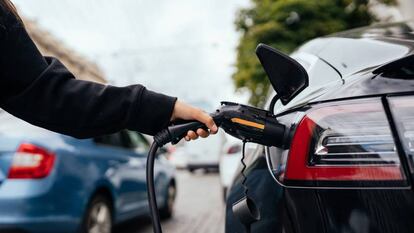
[(245, 209), (246, 189), (172, 134), (152, 199)]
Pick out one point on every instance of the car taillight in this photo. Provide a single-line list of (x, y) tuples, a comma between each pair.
[(31, 162), (348, 142), (171, 149), (234, 149), (402, 109)]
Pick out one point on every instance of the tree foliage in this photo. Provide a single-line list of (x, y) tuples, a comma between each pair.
[(285, 24)]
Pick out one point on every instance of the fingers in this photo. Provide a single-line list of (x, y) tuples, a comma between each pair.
[(207, 120), (188, 112), (202, 133), (191, 135)]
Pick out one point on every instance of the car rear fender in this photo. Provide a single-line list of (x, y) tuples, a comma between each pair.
[(7, 148), (9, 145)]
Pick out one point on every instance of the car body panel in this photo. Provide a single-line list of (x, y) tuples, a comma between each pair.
[(367, 210), (279, 207), (355, 50), (356, 54), (353, 55), (229, 160), (367, 84)]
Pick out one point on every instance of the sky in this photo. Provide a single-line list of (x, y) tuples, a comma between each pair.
[(184, 48)]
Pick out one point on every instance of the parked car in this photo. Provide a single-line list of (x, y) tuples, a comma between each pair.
[(55, 183), (178, 157), (229, 161), (204, 154), (348, 164)]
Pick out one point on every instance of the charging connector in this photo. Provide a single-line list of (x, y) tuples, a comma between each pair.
[(246, 123)]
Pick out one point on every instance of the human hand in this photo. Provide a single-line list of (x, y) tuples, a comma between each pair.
[(184, 111)]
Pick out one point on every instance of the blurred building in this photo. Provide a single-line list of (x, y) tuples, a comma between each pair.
[(50, 46), (403, 10), (407, 8)]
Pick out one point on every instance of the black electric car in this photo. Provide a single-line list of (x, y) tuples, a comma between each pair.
[(347, 161)]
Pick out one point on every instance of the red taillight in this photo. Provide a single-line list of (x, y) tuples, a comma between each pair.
[(234, 149), (31, 162), (171, 149), (346, 141)]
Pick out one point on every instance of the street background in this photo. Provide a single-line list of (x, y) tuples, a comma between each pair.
[(173, 47), (199, 51), (199, 207)]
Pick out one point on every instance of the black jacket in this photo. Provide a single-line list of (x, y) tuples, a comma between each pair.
[(41, 91)]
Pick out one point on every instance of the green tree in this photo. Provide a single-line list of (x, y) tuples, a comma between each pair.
[(285, 24)]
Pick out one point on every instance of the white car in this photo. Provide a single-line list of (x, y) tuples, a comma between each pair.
[(178, 157), (204, 154), (229, 161)]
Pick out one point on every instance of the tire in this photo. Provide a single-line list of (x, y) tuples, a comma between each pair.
[(98, 216), (168, 209)]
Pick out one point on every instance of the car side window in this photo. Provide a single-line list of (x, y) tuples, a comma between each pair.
[(138, 141), (115, 140)]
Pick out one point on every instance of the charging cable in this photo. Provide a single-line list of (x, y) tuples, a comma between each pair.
[(172, 134), (246, 123), (155, 217)]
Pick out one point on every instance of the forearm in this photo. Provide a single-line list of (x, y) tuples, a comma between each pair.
[(56, 101)]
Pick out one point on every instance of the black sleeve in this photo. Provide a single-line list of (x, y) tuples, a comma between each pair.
[(43, 92)]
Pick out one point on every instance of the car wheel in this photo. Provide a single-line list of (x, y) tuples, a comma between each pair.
[(167, 210), (98, 218)]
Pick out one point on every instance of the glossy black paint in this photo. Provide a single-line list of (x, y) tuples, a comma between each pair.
[(351, 56)]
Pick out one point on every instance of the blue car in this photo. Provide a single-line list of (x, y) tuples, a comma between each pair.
[(55, 183)]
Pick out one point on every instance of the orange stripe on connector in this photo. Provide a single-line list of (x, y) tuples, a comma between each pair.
[(247, 123)]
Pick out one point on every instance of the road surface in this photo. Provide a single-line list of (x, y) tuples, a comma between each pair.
[(199, 207)]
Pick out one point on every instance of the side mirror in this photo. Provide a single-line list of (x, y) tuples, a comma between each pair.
[(286, 75)]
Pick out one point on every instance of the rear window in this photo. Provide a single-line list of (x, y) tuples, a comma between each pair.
[(404, 70)]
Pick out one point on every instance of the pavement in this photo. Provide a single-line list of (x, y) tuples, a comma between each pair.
[(199, 207)]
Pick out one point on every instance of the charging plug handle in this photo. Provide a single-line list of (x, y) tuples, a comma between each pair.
[(251, 124), (243, 122), (178, 131)]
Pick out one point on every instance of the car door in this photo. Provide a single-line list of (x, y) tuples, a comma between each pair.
[(137, 147), (126, 170), (163, 171)]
